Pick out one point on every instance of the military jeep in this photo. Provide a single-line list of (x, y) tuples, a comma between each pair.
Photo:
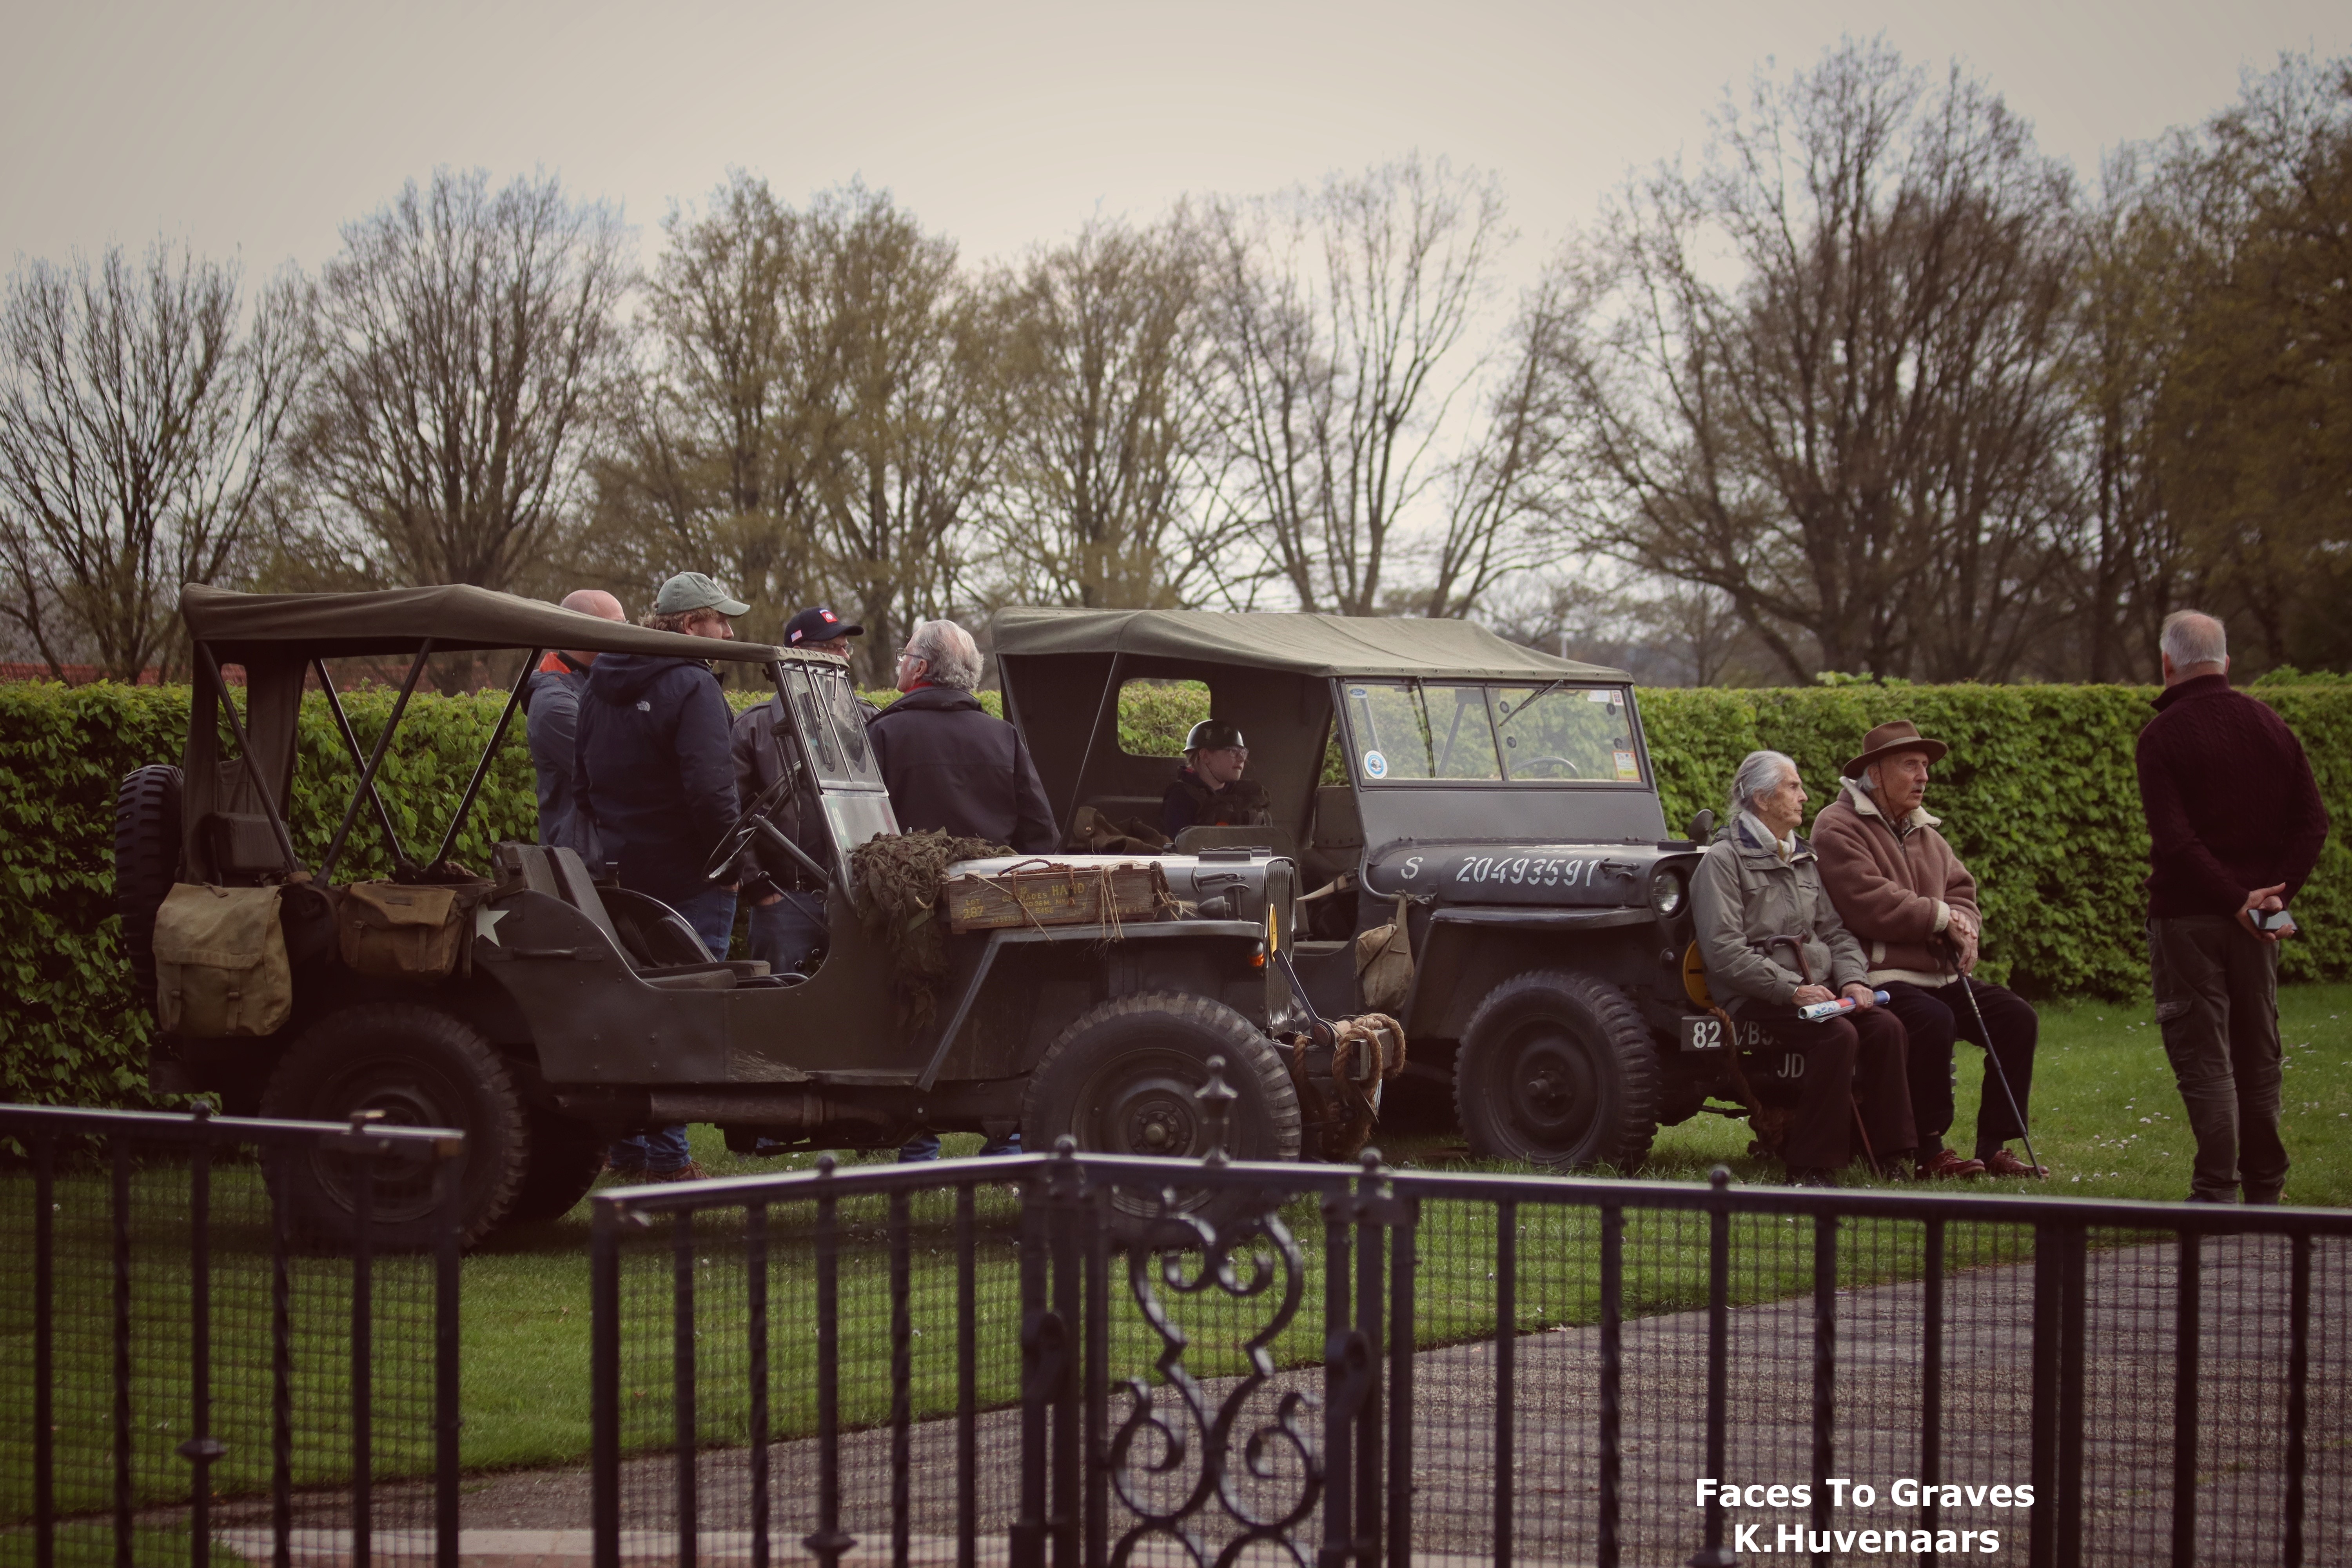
[(1504, 795), (562, 1010)]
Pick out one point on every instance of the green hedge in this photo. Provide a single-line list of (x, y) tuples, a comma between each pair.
[(2038, 795)]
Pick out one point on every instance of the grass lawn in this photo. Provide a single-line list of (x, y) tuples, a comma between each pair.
[(2107, 1120)]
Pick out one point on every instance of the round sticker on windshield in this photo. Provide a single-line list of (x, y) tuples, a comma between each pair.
[(1357, 692), (1376, 767)]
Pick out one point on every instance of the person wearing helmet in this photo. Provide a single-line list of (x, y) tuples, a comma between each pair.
[(1209, 791)]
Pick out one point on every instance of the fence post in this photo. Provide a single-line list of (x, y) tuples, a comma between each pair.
[(1714, 1555), (448, 1416), (685, 1423), (827, 1541), (1612, 1355), (2187, 1331), (45, 1437), (199, 1450), (2298, 1370), (1825, 1278), (605, 1382)]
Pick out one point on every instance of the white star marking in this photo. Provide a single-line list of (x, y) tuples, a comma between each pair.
[(486, 924)]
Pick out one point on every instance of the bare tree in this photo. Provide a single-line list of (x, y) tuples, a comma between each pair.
[(1337, 318), (2130, 559), (142, 409), (1860, 438), (1500, 498), (709, 467), (1094, 503), (470, 339), (2253, 450), (898, 359)]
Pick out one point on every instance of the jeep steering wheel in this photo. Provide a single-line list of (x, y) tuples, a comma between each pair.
[(1573, 771), (739, 832)]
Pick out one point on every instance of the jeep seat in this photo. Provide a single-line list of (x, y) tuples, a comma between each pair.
[(560, 873), (1335, 842)]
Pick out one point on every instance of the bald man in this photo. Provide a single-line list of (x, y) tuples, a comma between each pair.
[(551, 706)]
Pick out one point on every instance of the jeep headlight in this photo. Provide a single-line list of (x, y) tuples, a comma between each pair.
[(1665, 891)]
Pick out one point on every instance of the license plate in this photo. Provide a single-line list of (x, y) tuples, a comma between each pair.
[(1704, 1033)]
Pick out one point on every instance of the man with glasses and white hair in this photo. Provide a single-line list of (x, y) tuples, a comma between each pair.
[(1772, 942), (2235, 824), (947, 763), (950, 766)]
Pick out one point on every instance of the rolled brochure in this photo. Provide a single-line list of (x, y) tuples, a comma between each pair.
[(1814, 1012)]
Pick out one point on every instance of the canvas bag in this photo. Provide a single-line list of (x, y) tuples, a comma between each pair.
[(220, 962), (401, 931), (1384, 964)]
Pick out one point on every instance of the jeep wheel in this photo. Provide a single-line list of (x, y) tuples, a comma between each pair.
[(565, 1157), (146, 863), (1120, 1080), (421, 1068), (1556, 1069)]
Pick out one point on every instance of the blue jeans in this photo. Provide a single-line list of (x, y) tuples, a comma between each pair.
[(711, 913), (655, 1154), (788, 932), (926, 1146)]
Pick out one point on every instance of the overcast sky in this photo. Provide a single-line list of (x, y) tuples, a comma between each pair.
[(261, 128)]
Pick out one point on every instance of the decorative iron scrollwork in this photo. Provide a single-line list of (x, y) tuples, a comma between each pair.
[(1257, 1257)]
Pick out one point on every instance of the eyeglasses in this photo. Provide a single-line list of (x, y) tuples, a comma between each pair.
[(908, 655)]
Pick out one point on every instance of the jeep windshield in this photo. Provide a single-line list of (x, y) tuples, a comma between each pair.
[(1408, 731)]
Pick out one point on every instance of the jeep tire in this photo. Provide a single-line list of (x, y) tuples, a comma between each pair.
[(566, 1158), (422, 1068), (1120, 1080), (146, 863), (1556, 1069)]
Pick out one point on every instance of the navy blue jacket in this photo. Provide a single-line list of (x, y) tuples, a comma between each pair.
[(949, 766), (656, 776)]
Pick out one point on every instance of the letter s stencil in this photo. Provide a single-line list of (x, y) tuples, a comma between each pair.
[(1412, 867)]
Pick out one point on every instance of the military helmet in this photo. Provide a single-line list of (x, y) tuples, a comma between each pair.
[(1212, 735)]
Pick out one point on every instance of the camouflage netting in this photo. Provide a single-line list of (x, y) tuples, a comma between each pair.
[(897, 882)]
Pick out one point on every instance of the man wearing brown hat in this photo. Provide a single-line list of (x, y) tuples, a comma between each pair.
[(1906, 896)]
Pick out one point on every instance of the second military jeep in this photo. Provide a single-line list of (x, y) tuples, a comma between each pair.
[(1504, 795), (541, 1009)]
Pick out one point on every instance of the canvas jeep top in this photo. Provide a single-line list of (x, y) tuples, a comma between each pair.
[(1505, 795), (542, 1010)]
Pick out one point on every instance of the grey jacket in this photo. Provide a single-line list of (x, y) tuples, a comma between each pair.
[(1745, 894), (550, 724)]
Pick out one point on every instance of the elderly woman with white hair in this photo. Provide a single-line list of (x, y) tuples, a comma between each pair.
[(948, 765), (1772, 942)]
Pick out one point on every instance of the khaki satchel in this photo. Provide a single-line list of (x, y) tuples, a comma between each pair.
[(220, 962), (400, 931), (1384, 964)]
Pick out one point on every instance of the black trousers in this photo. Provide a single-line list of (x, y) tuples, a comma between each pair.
[(1934, 1016), (2217, 1005), (1854, 1059)]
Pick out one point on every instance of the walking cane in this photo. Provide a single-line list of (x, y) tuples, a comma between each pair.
[(2041, 1171)]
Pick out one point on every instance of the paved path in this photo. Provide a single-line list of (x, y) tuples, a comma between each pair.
[(2128, 1430)]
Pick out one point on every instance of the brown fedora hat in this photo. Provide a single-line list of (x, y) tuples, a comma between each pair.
[(1897, 735)]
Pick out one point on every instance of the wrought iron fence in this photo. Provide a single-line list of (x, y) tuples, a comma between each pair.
[(966, 1361), (191, 1374)]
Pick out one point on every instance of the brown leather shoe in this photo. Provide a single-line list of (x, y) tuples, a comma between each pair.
[(1944, 1165), (689, 1172), (2004, 1163)]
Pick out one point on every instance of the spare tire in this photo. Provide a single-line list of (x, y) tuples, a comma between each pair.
[(146, 863)]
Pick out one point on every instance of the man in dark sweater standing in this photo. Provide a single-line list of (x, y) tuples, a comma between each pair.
[(2236, 825)]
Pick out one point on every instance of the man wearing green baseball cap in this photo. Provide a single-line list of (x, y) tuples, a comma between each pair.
[(690, 597), (656, 777)]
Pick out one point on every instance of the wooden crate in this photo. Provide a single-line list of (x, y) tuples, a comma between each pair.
[(1055, 895)]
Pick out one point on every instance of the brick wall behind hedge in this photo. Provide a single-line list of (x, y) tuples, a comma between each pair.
[(2038, 795)]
